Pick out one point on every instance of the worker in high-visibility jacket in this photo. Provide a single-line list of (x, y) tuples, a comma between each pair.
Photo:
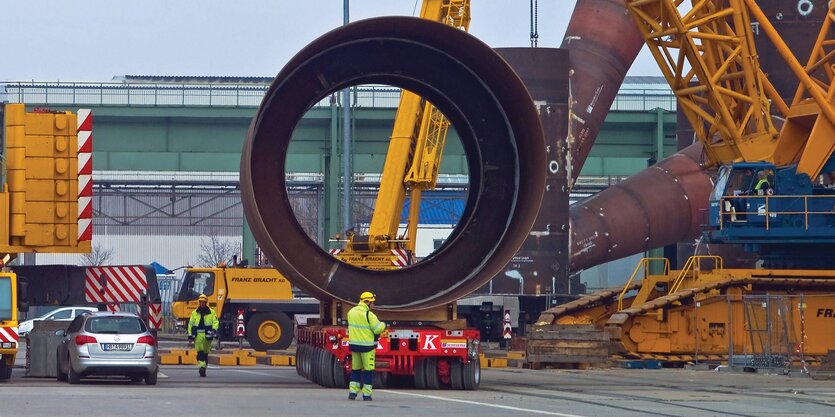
[(202, 329), (364, 329)]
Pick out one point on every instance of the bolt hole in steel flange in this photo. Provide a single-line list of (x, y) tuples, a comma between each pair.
[(482, 97)]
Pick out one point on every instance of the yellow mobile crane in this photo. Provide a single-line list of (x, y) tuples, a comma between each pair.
[(411, 167), (767, 197)]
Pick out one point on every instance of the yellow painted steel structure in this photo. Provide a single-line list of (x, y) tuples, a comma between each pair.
[(412, 163), (704, 311), (39, 196), (708, 56)]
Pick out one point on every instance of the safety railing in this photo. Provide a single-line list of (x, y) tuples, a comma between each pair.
[(694, 266), (729, 213), (644, 264), (243, 95)]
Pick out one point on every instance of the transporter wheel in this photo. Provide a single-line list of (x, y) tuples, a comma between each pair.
[(299, 349), (381, 380), (340, 379), (472, 375), (456, 374), (269, 331), (431, 372), (328, 368), (316, 365), (420, 375), (304, 359)]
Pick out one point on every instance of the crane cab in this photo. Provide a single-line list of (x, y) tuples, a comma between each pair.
[(759, 205)]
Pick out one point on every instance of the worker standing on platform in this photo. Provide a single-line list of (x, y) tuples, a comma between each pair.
[(202, 329), (364, 329)]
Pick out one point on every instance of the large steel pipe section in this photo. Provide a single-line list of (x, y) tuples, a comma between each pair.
[(658, 206), (492, 113), (603, 42)]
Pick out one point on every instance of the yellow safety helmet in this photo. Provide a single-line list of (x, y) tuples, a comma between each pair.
[(202, 298), (367, 296)]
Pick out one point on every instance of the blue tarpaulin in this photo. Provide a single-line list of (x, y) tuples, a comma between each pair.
[(159, 269)]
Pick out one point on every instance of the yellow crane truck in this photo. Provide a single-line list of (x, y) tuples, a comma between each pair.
[(263, 295), (8, 323)]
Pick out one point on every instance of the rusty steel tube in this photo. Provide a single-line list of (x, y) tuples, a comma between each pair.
[(658, 206), (479, 93), (603, 42)]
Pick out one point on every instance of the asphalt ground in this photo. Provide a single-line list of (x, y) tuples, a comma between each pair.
[(278, 391)]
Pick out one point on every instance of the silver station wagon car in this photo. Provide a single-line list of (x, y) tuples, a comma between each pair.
[(105, 343)]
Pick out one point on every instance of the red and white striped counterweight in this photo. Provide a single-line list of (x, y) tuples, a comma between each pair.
[(85, 175)]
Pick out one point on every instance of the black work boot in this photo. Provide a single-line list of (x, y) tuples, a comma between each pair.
[(366, 398), (352, 395), (202, 371)]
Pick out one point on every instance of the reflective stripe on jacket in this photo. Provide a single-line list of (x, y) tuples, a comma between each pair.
[(208, 322), (363, 328)]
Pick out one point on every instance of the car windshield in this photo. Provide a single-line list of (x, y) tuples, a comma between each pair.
[(115, 325), (5, 299)]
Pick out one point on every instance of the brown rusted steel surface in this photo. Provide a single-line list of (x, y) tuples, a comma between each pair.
[(658, 206), (482, 97), (798, 31), (541, 265), (603, 41)]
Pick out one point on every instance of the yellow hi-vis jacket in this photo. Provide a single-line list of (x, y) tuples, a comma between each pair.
[(202, 322), (364, 328)]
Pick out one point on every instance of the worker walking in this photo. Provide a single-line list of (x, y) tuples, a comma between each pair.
[(364, 329), (202, 329)]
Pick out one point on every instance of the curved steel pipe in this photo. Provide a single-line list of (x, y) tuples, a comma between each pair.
[(658, 206), (492, 113), (603, 42)]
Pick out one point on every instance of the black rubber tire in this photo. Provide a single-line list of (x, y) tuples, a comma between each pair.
[(302, 358), (62, 377), (308, 363), (472, 374), (136, 378), (327, 369), (5, 371), (420, 375), (299, 349), (285, 324), (312, 368), (456, 374), (72, 376), (381, 380), (340, 379), (151, 378), (431, 372), (318, 360)]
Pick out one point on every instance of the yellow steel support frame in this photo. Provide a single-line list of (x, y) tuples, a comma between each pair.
[(414, 154), (724, 94)]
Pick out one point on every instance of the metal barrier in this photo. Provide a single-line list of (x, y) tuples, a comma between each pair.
[(244, 95), (169, 287)]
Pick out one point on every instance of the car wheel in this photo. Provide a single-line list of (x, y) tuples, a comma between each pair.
[(151, 378), (61, 376), (72, 377)]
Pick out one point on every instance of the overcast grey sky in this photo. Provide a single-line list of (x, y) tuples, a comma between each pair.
[(95, 40)]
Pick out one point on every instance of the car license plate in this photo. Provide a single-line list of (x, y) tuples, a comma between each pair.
[(116, 346)]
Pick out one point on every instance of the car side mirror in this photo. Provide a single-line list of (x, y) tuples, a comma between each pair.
[(60, 332)]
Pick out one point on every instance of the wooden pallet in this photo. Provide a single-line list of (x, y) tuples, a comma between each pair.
[(561, 345)]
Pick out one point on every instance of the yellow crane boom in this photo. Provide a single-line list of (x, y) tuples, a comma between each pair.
[(412, 163)]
